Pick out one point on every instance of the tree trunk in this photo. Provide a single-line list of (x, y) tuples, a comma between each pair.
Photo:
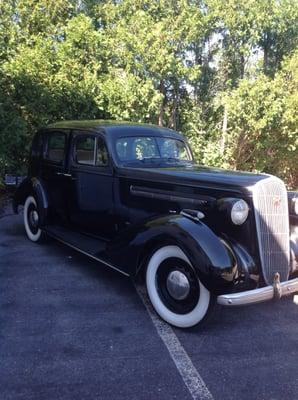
[(242, 66), (224, 131), (163, 103), (266, 47), (173, 118)]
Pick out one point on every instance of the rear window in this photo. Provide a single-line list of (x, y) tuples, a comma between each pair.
[(56, 147)]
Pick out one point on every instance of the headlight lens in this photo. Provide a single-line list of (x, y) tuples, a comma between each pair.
[(295, 205), (239, 212)]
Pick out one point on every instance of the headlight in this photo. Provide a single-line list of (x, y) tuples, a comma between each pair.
[(295, 205), (239, 212)]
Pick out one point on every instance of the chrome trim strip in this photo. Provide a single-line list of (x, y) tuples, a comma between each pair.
[(87, 254), (121, 174), (186, 214), (159, 194), (257, 295)]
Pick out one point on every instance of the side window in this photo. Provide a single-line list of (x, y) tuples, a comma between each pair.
[(102, 158), (85, 150), (56, 147), (89, 150)]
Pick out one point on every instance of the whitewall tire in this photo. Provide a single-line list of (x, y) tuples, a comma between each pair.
[(31, 220), (174, 289)]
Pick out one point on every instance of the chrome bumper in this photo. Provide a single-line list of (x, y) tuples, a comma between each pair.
[(258, 295)]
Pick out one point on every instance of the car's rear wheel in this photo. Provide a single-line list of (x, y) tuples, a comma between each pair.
[(31, 220), (175, 290)]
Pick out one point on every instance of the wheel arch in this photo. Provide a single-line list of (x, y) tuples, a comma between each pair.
[(213, 262), (147, 251), (37, 188)]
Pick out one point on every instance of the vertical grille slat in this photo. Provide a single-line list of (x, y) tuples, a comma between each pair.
[(272, 221)]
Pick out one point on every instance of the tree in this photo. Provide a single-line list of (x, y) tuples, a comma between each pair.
[(151, 41), (222, 72), (263, 124), (278, 27)]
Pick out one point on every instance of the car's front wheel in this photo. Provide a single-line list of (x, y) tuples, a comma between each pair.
[(174, 289), (31, 220)]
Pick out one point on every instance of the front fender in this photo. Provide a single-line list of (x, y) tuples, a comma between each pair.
[(212, 260), (35, 187)]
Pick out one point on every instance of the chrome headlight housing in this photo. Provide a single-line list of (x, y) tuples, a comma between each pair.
[(239, 212), (295, 205), (235, 210)]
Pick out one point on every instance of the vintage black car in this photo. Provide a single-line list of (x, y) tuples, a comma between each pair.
[(131, 197)]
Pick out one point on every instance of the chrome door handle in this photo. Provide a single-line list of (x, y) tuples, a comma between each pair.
[(64, 174)]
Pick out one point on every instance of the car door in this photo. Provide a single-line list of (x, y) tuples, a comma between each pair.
[(53, 173), (91, 205)]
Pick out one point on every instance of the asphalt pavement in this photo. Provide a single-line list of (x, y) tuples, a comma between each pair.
[(71, 328)]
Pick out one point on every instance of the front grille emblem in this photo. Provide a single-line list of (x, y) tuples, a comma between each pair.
[(276, 201)]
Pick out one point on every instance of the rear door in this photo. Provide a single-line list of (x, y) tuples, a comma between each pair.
[(91, 206), (53, 169)]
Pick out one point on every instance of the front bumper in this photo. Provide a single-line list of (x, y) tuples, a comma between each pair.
[(258, 295)]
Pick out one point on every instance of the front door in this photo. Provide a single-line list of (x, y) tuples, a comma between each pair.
[(90, 197)]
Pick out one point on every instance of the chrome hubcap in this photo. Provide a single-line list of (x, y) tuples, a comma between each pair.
[(178, 285), (33, 218)]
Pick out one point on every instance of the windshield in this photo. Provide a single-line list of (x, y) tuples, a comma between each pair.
[(152, 150)]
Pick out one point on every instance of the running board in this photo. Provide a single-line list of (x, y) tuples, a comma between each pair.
[(85, 244)]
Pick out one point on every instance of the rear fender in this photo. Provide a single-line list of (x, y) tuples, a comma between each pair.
[(21, 194), (35, 187)]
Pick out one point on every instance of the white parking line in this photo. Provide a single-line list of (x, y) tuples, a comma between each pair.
[(187, 370)]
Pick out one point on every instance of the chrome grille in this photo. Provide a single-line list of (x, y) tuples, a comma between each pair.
[(272, 220)]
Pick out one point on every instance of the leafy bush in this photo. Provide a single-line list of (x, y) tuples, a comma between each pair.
[(224, 73)]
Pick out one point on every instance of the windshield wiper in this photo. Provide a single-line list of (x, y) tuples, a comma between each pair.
[(172, 159), (151, 160), (154, 161), (158, 161), (177, 160)]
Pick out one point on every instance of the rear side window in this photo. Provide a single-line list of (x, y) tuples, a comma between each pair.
[(56, 147)]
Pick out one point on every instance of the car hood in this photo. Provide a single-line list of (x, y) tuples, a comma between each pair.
[(199, 176)]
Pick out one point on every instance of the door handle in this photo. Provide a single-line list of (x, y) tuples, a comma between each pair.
[(64, 174)]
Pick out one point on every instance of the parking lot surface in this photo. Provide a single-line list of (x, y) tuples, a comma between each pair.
[(70, 328)]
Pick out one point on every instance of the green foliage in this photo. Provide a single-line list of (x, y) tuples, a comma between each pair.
[(224, 73), (263, 124), (278, 27)]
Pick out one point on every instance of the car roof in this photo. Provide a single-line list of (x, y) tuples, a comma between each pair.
[(116, 128)]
